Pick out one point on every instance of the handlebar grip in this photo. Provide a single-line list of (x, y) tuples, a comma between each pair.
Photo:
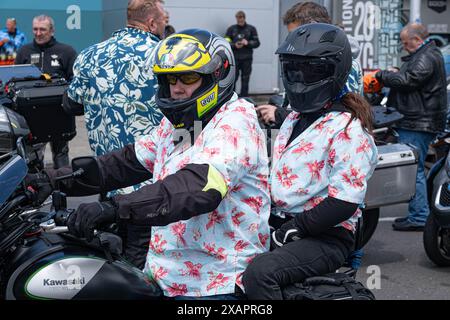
[(58, 230), (61, 217)]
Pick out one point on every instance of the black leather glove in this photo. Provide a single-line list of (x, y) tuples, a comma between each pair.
[(88, 216), (379, 75), (39, 186), (289, 231)]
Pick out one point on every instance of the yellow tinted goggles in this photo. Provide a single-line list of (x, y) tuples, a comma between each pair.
[(185, 78)]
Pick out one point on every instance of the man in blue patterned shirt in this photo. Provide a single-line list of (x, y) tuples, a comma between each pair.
[(11, 39), (113, 84)]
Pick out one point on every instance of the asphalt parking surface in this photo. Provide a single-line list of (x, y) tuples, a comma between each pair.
[(405, 270)]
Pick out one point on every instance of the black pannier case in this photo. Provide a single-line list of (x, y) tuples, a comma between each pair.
[(40, 102)]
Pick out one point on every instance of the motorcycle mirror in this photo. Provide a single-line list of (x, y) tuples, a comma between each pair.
[(90, 177), (21, 149)]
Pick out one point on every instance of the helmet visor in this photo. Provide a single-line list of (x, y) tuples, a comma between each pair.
[(307, 71)]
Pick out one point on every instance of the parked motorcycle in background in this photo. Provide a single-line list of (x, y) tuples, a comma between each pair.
[(436, 235), (13, 126)]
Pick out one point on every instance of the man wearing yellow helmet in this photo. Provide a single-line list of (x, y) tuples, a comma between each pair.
[(209, 202)]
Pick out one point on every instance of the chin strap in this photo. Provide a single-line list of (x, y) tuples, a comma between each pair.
[(343, 92)]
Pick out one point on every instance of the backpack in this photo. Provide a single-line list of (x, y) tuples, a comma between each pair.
[(332, 286)]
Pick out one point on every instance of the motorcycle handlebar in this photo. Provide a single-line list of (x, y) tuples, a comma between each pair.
[(10, 205)]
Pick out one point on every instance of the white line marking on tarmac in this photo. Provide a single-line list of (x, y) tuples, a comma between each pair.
[(387, 219)]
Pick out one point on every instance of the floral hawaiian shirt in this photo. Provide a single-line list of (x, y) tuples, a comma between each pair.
[(207, 254), (115, 83), (325, 160)]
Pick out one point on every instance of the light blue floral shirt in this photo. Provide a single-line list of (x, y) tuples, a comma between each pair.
[(207, 254), (328, 159), (115, 83)]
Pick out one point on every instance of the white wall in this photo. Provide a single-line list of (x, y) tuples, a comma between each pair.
[(218, 15)]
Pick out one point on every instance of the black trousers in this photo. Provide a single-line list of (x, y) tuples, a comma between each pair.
[(244, 68), (269, 272), (60, 153), (136, 239)]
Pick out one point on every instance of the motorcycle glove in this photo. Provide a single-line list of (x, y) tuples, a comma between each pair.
[(88, 216), (314, 222), (39, 186), (288, 232)]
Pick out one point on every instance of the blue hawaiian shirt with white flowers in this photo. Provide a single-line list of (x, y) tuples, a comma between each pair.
[(115, 83)]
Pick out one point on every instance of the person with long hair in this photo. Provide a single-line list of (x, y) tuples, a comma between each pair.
[(323, 157), (300, 14)]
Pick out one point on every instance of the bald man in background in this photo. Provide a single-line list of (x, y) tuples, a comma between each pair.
[(418, 91)]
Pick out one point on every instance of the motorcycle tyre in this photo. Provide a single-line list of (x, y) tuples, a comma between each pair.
[(432, 240)]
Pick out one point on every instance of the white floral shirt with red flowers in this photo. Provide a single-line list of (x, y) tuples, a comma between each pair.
[(207, 254), (325, 160)]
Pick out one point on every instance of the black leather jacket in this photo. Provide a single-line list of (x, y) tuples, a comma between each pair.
[(418, 90), (248, 32), (53, 57)]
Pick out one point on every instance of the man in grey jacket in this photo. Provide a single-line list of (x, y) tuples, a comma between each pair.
[(418, 91)]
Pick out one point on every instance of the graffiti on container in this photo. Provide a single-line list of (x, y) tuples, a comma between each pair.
[(376, 25), (389, 44)]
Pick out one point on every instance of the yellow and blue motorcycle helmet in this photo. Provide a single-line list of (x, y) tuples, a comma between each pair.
[(202, 52)]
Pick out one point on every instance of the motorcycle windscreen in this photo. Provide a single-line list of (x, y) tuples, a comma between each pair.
[(19, 72), (12, 174)]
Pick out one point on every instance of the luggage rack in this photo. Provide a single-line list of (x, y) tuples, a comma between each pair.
[(384, 117), (7, 73)]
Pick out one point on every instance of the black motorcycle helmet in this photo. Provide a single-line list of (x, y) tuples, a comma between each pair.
[(194, 51), (316, 60)]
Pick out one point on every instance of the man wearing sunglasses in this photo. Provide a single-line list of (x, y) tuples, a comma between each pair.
[(208, 204)]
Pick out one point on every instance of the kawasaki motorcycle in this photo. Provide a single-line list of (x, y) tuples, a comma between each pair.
[(38, 258)]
